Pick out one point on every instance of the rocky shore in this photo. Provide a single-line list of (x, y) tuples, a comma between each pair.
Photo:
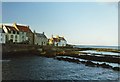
[(63, 51), (15, 50), (88, 63)]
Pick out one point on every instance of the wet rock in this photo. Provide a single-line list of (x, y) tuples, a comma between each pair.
[(116, 68), (76, 60), (104, 65), (97, 64), (59, 58), (82, 62), (68, 59), (89, 63)]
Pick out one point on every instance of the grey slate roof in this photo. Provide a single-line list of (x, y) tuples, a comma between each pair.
[(40, 35)]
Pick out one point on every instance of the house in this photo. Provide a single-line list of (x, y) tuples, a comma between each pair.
[(2, 35), (57, 41), (11, 34), (40, 39), (17, 33), (25, 34)]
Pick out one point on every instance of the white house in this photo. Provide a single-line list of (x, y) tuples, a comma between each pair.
[(57, 41), (25, 33), (12, 35), (40, 39), (17, 33)]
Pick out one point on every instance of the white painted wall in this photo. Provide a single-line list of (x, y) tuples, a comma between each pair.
[(22, 36), (61, 43)]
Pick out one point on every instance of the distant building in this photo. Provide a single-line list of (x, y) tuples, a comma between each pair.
[(40, 39), (57, 41)]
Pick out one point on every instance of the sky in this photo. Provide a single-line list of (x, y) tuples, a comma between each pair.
[(81, 23)]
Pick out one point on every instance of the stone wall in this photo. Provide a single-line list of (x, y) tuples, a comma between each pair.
[(19, 49)]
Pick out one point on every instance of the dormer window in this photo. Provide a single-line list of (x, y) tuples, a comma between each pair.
[(13, 32)]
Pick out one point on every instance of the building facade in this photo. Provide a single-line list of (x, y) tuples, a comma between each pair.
[(57, 41), (16, 34), (25, 33), (40, 39), (11, 34)]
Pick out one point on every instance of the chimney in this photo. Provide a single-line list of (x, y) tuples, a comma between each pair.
[(52, 36), (34, 31), (43, 33), (15, 26), (57, 36), (14, 23)]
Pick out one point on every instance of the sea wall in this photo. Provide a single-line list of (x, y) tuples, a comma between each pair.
[(19, 49)]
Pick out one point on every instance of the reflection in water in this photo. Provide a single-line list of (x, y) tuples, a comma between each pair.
[(41, 68)]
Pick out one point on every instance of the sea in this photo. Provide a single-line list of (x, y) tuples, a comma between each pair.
[(95, 46), (42, 68), (34, 67), (99, 52)]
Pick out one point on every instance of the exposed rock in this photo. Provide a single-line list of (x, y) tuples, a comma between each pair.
[(104, 65), (89, 63), (116, 68)]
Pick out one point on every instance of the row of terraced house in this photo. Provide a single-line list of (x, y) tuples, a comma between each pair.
[(22, 34)]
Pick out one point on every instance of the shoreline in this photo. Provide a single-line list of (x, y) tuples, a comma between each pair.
[(88, 63), (17, 50)]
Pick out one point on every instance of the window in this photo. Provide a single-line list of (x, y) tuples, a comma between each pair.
[(15, 40), (13, 32), (15, 36), (22, 37), (11, 36), (17, 32)]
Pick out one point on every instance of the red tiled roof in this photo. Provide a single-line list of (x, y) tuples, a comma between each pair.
[(56, 40), (23, 28), (10, 28)]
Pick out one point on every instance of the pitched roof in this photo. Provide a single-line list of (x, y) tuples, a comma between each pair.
[(10, 28), (62, 38), (23, 28), (58, 39), (40, 35)]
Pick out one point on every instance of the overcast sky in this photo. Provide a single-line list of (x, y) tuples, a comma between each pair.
[(83, 23)]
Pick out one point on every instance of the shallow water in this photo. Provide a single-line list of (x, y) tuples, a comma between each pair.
[(95, 46), (100, 52), (111, 64), (41, 68)]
